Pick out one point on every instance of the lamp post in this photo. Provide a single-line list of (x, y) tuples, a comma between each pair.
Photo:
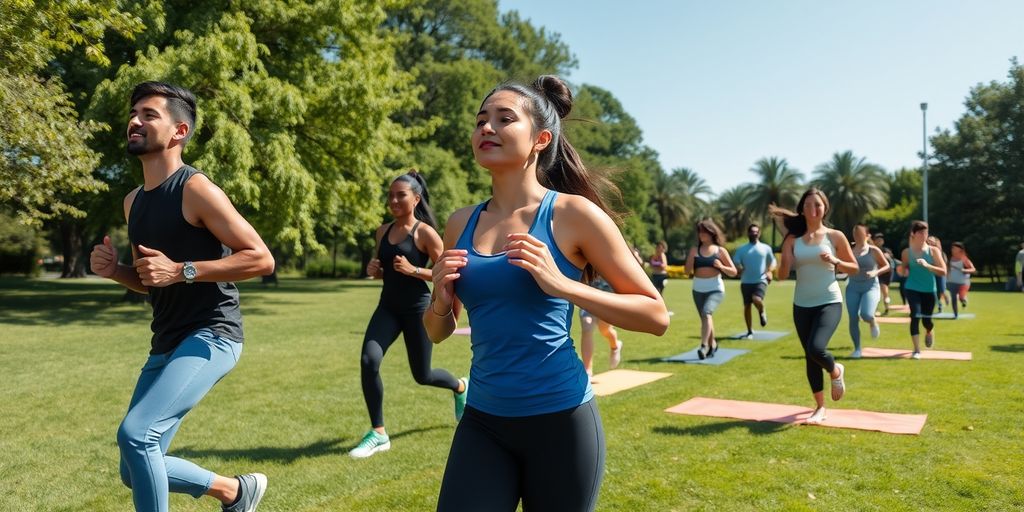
[(924, 156)]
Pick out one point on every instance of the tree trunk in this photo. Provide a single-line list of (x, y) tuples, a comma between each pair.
[(71, 248)]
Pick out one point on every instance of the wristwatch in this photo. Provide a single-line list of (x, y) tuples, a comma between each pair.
[(188, 270)]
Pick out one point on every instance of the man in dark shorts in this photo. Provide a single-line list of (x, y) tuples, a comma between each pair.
[(756, 261)]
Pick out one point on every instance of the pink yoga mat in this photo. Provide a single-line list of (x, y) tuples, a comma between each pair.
[(892, 319), (779, 413), (613, 381), (465, 331), (902, 307), (905, 354)]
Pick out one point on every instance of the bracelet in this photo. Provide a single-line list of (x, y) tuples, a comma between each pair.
[(438, 314), (417, 271)]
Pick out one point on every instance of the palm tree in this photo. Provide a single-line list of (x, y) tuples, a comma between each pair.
[(733, 208), (677, 197), (778, 184), (854, 188)]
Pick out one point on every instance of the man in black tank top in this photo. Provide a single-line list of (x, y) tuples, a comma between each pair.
[(188, 245)]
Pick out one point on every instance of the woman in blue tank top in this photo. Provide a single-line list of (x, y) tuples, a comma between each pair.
[(921, 263), (816, 252), (518, 263)]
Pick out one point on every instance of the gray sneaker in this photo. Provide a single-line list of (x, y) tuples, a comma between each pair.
[(250, 491)]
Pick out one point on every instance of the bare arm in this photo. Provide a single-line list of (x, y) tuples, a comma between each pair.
[(969, 266), (904, 269), (689, 262), (939, 268), (104, 261), (441, 318), (845, 261), (724, 263), (429, 242), (787, 258), (880, 259)]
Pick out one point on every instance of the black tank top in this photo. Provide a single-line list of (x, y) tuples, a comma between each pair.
[(156, 221), (402, 292)]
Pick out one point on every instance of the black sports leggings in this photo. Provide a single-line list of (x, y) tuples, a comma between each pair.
[(553, 462), (815, 326), (385, 326), (922, 304)]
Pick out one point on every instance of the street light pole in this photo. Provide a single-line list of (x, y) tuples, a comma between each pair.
[(924, 156)]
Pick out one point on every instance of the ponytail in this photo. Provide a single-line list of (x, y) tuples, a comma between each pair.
[(418, 185), (794, 222)]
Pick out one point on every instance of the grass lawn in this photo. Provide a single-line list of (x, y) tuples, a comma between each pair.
[(70, 353)]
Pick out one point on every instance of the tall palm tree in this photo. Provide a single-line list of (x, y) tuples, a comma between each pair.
[(733, 207), (854, 188), (677, 197), (778, 183)]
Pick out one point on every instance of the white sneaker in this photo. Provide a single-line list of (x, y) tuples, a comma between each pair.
[(876, 331), (915, 355), (372, 443), (817, 418), (838, 384), (615, 356)]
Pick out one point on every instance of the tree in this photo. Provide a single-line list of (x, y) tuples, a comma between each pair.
[(778, 184), (733, 207), (677, 198), (854, 188), (977, 180), (904, 205), (44, 147)]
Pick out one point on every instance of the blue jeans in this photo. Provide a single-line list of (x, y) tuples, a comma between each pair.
[(861, 300), (169, 386)]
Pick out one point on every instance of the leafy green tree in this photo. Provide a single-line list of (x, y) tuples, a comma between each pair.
[(679, 197), (854, 188), (977, 181), (778, 183), (733, 207), (904, 205)]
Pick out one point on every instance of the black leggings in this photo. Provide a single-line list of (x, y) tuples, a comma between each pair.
[(385, 326), (815, 326), (553, 462), (921, 306)]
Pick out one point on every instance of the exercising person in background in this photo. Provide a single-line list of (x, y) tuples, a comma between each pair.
[(659, 267), (959, 280), (706, 263), (588, 324), (941, 297), (756, 262), (1018, 267), (921, 263), (884, 278), (862, 288)]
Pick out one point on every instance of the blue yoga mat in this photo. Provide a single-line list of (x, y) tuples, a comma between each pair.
[(760, 336), (724, 355), (949, 316)]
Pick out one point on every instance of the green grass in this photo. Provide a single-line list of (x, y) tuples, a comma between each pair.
[(70, 353)]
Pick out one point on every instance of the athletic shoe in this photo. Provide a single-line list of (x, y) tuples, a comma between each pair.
[(963, 303), (700, 352), (250, 491), (929, 340), (372, 443), (748, 336), (876, 331), (915, 355), (713, 349), (888, 301), (460, 399), (615, 356), (855, 354), (670, 313), (940, 307), (764, 319), (838, 384), (816, 418)]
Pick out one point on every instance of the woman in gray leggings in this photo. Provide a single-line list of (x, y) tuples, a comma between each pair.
[(707, 262)]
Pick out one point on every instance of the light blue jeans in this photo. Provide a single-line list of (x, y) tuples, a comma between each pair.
[(861, 302), (169, 386)]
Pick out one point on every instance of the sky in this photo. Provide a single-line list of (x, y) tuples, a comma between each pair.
[(717, 85)]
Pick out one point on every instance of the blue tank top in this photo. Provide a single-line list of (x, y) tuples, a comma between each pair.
[(524, 362)]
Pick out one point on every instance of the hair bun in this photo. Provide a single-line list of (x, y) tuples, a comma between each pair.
[(557, 92)]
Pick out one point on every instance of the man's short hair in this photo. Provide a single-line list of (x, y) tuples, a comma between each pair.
[(753, 225), (181, 103)]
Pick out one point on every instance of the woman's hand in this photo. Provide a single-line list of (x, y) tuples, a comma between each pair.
[(444, 274), (373, 268), (532, 255), (403, 266)]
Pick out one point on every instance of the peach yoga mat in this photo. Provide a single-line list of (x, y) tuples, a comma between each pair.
[(905, 354), (780, 413), (613, 381), (465, 331), (892, 319), (899, 307)]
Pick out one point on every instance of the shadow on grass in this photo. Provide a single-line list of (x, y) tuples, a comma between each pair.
[(710, 429), (290, 454), (1011, 348)]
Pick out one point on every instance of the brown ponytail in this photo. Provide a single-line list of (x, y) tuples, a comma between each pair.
[(795, 223)]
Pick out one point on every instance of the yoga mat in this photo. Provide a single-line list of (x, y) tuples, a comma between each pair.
[(901, 308), (900, 353), (892, 319), (760, 336), (465, 331), (721, 357), (779, 413), (946, 315), (613, 381)]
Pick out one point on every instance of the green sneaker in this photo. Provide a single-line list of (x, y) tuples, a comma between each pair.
[(460, 400), (372, 443)]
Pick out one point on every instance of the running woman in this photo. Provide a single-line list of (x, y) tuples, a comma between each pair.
[(816, 252), (707, 262), (959, 282), (862, 288), (940, 281), (588, 324), (884, 278), (756, 262), (189, 245), (519, 262), (921, 263), (659, 267), (405, 247)]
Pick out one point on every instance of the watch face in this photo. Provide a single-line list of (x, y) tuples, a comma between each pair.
[(189, 271)]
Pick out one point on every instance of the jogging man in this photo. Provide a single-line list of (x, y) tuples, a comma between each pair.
[(756, 262)]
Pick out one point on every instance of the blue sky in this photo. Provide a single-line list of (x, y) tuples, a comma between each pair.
[(716, 85)]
